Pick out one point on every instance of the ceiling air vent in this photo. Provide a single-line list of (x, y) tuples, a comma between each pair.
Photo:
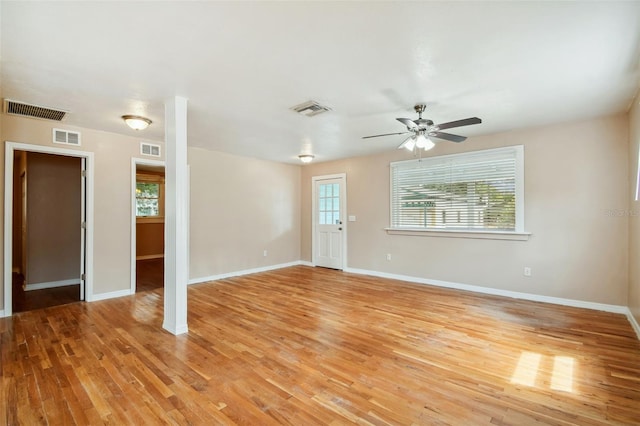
[(310, 108), (149, 149), (66, 137), (33, 111)]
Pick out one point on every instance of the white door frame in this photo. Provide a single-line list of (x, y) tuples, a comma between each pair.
[(135, 162), (314, 214), (10, 148)]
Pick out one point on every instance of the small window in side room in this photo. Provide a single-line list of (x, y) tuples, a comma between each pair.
[(149, 196)]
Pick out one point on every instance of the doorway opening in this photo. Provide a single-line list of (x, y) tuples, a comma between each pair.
[(147, 242), (48, 195)]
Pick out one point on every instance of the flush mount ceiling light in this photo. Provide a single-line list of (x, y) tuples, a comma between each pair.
[(136, 122), (306, 158)]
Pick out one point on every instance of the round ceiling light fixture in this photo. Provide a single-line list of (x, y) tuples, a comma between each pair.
[(136, 122), (306, 158)]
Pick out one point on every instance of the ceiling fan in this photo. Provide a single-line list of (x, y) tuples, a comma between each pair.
[(423, 129)]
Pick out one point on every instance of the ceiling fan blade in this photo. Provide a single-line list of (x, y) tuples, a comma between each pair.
[(447, 136), (459, 123), (386, 134), (407, 122)]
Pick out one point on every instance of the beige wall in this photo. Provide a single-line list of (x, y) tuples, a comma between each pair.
[(634, 211), (575, 174), (239, 208), (112, 206)]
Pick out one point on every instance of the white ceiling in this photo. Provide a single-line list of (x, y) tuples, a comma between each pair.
[(242, 65)]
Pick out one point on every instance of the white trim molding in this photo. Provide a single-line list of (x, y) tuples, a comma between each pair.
[(634, 323), (51, 284), (618, 309), (453, 233), (111, 295), (247, 272)]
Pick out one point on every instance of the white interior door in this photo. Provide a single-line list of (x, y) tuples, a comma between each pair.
[(83, 225), (329, 211)]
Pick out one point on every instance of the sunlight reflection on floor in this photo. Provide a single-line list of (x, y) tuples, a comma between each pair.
[(528, 369)]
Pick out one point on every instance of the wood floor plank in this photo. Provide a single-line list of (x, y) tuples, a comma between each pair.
[(312, 346)]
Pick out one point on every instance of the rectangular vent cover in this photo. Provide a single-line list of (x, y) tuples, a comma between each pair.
[(149, 149), (66, 137), (33, 111), (310, 108)]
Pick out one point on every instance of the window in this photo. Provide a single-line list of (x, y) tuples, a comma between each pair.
[(149, 195), (475, 191), (329, 204)]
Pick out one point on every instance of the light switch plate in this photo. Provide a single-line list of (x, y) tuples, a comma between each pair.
[(352, 218)]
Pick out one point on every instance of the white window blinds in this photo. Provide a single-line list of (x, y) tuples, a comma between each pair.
[(481, 190)]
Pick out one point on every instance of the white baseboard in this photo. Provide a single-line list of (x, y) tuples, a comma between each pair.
[(244, 272), (634, 323), (306, 263), (150, 256), (618, 309), (179, 329), (51, 284), (110, 295)]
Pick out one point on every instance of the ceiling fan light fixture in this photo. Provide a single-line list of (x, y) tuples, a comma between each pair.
[(408, 143), (136, 122), (424, 142), (306, 158)]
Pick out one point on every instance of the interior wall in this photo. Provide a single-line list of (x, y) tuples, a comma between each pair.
[(576, 183), (112, 204), (240, 207), (53, 218), (150, 239), (634, 211)]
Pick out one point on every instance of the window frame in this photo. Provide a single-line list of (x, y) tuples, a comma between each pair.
[(151, 178), (518, 233)]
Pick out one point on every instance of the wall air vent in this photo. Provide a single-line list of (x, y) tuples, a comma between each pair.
[(310, 108), (33, 111), (66, 137), (149, 149)]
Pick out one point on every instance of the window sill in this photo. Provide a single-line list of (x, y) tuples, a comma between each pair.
[(452, 233), (150, 219)]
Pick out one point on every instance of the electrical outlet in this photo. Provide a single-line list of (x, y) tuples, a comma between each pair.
[(527, 271), (388, 256), (264, 253)]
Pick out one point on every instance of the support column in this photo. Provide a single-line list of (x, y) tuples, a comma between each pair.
[(176, 267)]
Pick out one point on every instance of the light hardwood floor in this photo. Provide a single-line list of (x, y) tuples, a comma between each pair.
[(311, 346)]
